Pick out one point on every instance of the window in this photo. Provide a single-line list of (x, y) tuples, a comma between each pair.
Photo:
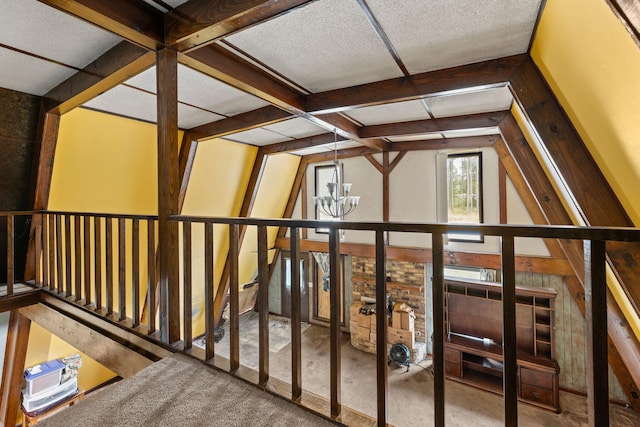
[(464, 194)]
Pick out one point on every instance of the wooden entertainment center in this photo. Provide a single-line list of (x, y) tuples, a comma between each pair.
[(473, 346)]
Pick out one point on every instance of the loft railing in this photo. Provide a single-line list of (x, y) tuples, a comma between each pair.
[(94, 260)]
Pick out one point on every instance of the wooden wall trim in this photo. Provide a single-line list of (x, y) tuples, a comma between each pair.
[(546, 265), (628, 11)]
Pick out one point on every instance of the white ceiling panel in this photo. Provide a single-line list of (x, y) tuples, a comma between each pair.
[(42, 30), (483, 101), (311, 150), (194, 88), (326, 45), (128, 102), (296, 128), (37, 77), (389, 113), (190, 117), (197, 89), (257, 137), (434, 34)]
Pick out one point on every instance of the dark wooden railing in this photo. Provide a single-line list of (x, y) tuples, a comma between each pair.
[(71, 248)]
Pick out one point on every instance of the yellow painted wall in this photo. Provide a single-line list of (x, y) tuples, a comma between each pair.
[(218, 182), (593, 67), (107, 164)]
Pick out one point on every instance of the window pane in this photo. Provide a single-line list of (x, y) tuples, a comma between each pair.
[(464, 193)]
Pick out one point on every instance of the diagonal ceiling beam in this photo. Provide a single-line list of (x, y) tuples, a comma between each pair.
[(250, 120), (117, 65), (519, 159), (133, 20), (471, 121), (199, 22), (488, 73)]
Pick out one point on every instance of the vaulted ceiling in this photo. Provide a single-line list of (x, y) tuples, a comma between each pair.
[(286, 52)]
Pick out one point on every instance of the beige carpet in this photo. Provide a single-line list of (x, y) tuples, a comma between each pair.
[(181, 391)]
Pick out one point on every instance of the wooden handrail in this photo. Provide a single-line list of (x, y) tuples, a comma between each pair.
[(69, 244)]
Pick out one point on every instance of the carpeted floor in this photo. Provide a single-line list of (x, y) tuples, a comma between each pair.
[(181, 391)]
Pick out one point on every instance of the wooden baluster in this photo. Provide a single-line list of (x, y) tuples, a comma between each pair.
[(67, 256), (187, 291), (77, 259), (97, 261), (208, 292), (296, 317), (381, 327), (509, 343), (59, 271), (334, 310), (263, 307), (10, 254), (37, 280), (122, 269), (135, 278), (44, 234), (234, 304), (151, 283), (87, 260), (437, 246), (109, 264), (595, 284)]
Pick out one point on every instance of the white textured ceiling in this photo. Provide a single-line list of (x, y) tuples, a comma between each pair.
[(434, 34), (325, 45)]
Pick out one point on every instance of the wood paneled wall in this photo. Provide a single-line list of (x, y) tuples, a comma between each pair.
[(18, 132)]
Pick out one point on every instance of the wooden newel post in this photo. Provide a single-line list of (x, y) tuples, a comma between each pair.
[(168, 192)]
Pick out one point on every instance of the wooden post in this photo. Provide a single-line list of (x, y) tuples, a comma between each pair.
[(122, 270), (234, 304), (509, 344), (186, 284), (595, 295), (381, 326), (334, 309), (209, 314), (296, 317), (135, 267), (12, 374), (151, 282), (168, 194), (438, 328), (263, 306)]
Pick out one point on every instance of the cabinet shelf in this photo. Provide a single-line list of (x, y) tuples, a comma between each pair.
[(474, 309)]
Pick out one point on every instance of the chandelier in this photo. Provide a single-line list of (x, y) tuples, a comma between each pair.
[(339, 202)]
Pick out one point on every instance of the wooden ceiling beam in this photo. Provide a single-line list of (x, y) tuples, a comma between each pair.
[(200, 22), (298, 144), (241, 122), (133, 20), (495, 72), (117, 65), (416, 127), (347, 129)]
